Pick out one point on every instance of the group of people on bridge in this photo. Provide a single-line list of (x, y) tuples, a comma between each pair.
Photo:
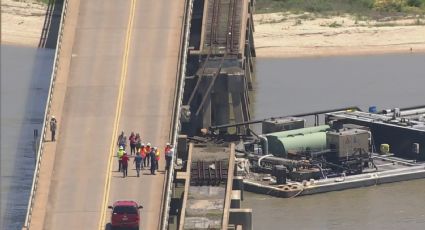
[(145, 156)]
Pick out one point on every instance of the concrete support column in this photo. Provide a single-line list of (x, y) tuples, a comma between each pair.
[(238, 185), (221, 103), (237, 107), (206, 110), (236, 89), (182, 147), (235, 203), (241, 217), (206, 121)]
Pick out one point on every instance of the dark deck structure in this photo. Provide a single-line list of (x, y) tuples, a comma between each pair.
[(403, 130)]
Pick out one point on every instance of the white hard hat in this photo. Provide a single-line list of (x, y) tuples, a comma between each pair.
[(142, 144), (53, 116), (168, 144), (121, 147), (149, 144)]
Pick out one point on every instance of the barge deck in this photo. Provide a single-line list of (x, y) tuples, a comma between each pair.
[(390, 169)]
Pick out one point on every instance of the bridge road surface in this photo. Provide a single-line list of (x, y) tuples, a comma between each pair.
[(148, 98), (118, 80)]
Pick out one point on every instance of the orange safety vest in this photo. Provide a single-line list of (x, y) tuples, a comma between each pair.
[(142, 152), (147, 150)]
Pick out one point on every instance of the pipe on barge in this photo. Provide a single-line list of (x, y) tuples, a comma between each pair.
[(351, 108)]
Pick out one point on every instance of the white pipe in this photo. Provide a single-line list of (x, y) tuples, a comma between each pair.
[(406, 112), (263, 157), (265, 145)]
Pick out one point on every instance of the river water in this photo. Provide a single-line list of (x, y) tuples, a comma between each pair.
[(25, 78), (290, 86)]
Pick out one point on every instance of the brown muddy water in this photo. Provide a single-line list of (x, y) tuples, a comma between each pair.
[(290, 86)]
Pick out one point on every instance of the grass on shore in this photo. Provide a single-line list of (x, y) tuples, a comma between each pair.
[(368, 8)]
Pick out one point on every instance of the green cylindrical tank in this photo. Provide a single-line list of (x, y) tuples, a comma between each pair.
[(294, 132), (279, 146)]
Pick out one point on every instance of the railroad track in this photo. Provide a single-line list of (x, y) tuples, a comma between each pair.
[(208, 173), (224, 26), (232, 28), (224, 34)]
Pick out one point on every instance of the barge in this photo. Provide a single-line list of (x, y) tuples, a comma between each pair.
[(389, 170), (351, 149)]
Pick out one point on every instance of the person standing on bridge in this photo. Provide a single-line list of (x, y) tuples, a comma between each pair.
[(138, 162), (120, 154), (157, 155), (122, 140), (132, 140), (138, 143), (169, 151), (148, 150), (53, 126), (152, 157), (124, 160), (143, 154)]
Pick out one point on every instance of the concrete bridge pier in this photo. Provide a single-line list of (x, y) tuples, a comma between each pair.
[(240, 101), (221, 102), (241, 218)]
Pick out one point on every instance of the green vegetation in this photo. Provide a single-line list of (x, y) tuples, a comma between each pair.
[(277, 20), (335, 24), (335, 7)]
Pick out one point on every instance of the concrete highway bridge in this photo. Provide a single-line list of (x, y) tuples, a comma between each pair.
[(119, 66), (117, 70)]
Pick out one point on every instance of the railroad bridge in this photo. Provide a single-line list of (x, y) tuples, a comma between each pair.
[(220, 64), (131, 66)]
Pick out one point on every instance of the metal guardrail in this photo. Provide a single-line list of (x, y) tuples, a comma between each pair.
[(176, 125), (27, 222)]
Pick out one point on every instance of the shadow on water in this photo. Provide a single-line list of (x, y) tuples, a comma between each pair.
[(49, 34), (25, 78)]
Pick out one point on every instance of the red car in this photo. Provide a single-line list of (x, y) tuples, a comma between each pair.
[(125, 214)]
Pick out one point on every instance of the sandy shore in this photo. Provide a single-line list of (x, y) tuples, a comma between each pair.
[(292, 35), (276, 34), (22, 22)]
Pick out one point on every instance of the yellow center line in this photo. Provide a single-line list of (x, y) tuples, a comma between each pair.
[(123, 76)]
